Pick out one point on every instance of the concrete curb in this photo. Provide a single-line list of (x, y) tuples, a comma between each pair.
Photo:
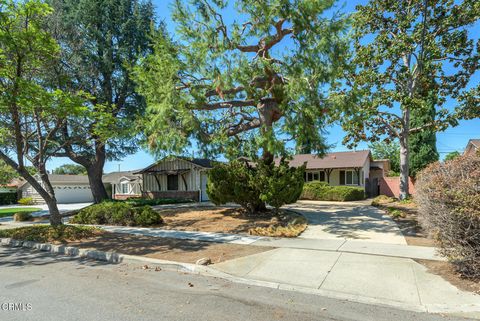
[(473, 311)]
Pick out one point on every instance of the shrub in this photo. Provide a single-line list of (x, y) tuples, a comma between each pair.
[(26, 201), (252, 186), (321, 191), (448, 199), (8, 198), (48, 233), (117, 213), (22, 217), (382, 199)]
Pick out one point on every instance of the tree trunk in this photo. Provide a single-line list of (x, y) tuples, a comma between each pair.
[(404, 168), (95, 173), (55, 217)]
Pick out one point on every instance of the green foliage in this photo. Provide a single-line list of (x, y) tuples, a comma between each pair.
[(7, 174), (235, 182), (281, 184), (26, 201), (153, 202), (234, 86), (22, 217), (405, 53), (448, 201), (452, 155), (8, 198), (253, 185), (46, 233), (11, 211), (70, 169), (321, 191), (422, 144), (395, 212), (118, 213), (387, 150)]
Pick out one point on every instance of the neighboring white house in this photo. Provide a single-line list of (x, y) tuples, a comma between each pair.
[(68, 189), (178, 178), (124, 185)]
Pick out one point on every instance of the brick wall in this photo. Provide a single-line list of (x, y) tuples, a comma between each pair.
[(390, 186), (191, 195), (125, 196)]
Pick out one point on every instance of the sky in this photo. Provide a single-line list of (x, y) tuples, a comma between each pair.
[(453, 139)]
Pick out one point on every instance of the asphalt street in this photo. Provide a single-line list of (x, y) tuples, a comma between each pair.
[(42, 287)]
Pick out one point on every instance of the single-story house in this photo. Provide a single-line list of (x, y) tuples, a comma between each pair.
[(124, 185), (68, 189), (176, 177), (473, 147), (352, 168)]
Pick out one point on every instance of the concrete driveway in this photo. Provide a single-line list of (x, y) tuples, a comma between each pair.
[(348, 220)]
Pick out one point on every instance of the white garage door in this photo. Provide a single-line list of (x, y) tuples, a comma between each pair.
[(66, 194)]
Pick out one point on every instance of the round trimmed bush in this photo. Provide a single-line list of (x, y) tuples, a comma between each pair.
[(117, 213), (448, 198)]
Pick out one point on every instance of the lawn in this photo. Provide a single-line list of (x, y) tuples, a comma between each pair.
[(10, 211)]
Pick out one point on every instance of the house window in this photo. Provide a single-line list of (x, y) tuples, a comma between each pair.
[(315, 176), (172, 182), (123, 188), (348, 178)]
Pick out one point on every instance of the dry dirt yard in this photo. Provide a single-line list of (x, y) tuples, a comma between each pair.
[(211, 219), (186, 251)]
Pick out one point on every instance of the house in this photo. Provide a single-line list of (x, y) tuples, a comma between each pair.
[(473, 147), (68, 189), (352, 168), (123, 185), (177, 177)]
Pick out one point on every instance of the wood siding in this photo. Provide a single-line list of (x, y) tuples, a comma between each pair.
[(191, 178)]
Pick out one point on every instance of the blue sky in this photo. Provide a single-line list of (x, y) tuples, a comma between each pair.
[(453, 139)]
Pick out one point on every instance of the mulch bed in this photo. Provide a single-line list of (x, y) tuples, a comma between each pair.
[(186, 251)]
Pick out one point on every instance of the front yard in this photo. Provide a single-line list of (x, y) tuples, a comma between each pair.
[(4, 212), (233, 220)]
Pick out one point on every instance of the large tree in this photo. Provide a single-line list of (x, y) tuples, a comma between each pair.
[(401, 48), (30, 114), (423, 144), (101, 41), (244, 84), (387, 150), (70, 169)]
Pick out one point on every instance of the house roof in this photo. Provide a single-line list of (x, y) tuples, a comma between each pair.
[(332, 160), (201, 162), (55, 178), (114, 177), (474, 142)]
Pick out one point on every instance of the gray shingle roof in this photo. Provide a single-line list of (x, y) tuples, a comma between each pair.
[(114, 177), (331, 160)]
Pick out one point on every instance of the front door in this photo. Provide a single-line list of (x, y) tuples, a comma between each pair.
[(203, 187)]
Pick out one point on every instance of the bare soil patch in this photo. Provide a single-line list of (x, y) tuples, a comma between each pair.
[(447, 271), (186, 251), (233, 220)]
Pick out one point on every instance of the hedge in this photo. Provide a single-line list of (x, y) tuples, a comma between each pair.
[(117, 213), (321, 191), (8, 198)]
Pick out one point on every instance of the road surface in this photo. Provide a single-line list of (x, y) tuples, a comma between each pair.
[(39, 286)]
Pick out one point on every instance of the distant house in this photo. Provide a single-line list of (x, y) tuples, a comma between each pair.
[(352, 168), (68, 189), (177, 178), (473, 146), (123, 185)]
